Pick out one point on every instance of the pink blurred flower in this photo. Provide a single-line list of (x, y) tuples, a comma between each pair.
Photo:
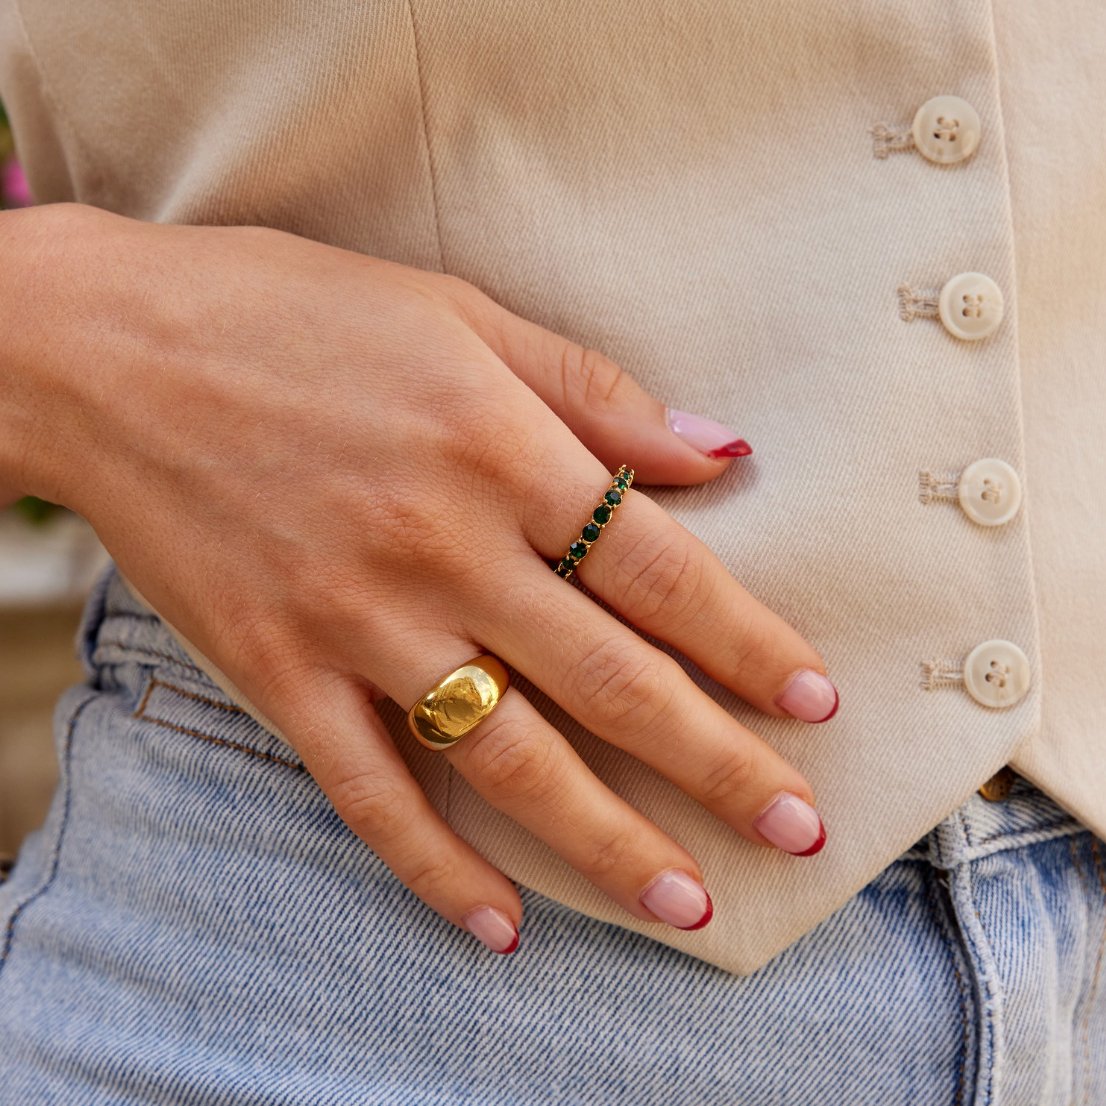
[(13, 185)]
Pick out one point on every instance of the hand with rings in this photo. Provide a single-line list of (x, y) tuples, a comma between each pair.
[(355, 479)]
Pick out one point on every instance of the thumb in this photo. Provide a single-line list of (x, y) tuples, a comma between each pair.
[(599, 401)]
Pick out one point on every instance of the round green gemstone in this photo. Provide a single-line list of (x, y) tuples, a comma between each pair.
[(621, 483), (613, 497), (565, 568), (602, 514), (577, 550), (590, 532)]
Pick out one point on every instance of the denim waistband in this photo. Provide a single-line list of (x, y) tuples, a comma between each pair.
[(116, 628)]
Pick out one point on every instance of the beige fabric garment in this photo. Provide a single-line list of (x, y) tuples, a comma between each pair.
[(696, 190)]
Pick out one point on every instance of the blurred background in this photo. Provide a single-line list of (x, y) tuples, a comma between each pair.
[(48, 560)]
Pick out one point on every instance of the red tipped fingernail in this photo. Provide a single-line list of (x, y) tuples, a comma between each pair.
[(737, 448), (678, 899), (706, 435), (791, 824), (492, 928), (810, 697)]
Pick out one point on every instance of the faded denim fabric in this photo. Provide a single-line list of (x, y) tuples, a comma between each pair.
[(194, 924)]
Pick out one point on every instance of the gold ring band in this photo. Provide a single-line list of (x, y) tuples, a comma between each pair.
[(458, 702), (589, 535)]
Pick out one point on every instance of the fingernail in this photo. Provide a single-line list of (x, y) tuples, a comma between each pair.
[(809, 697), (706, 435), (678, 899), (792, 825), (493, 928)]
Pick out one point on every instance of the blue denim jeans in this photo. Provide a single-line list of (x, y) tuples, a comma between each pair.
[(193, 924)]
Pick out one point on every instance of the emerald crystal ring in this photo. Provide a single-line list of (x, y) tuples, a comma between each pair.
[(589, 535)]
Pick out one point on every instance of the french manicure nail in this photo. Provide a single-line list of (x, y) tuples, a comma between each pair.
[(706, 435), (792, 825), (810, 697), (493, 928), (678, 899)]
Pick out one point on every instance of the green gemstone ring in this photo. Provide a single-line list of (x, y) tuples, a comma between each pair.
[(589, 535)]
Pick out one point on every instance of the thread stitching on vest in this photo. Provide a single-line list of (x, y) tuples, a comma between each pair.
[(888, 139), (938, 486), (141, 713), (941, 673), (918, 305)]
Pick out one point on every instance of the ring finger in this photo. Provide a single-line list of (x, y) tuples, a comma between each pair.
[(522, 766), (635, 696)]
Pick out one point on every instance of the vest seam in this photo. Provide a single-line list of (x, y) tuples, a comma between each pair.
[(426, 138), (74, 144), (449, 773)]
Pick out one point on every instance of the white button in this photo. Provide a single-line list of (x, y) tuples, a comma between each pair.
[(946, 129), (990, 492), (970, 306), (996, 674)]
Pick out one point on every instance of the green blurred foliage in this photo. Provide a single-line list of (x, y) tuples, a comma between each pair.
[(6, 146)]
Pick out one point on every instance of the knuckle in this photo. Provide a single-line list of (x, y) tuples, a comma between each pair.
[(663, 576), (610, 855), (510, 761), (372, 807), (756, 650), (628, 689), (432, 880), (482, 453), (588, 377), (276, 665), (462, 294), (727, 780)]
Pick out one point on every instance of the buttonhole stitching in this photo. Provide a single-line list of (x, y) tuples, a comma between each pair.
[(887, 139), (941, 673), (922, 304), (938, 486)]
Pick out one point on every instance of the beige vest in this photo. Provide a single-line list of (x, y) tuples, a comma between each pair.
[(728, 199)]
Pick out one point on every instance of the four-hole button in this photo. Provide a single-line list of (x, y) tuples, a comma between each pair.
[(996, 673), (970, 306), (946, 129), (989, 491)]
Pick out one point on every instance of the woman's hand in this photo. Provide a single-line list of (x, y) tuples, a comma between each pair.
[(341, 477)]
